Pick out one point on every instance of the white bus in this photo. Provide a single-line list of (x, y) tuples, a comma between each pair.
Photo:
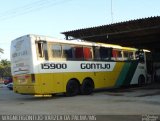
[(43, 65)]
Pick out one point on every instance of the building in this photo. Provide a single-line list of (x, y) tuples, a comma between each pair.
[(139, 33)]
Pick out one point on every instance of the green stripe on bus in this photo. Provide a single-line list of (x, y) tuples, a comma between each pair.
[(131, 71), (122, 74)]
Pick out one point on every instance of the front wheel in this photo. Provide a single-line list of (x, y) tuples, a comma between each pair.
[(72, 88), (141, 80)]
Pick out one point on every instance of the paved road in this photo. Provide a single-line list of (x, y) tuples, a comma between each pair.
[(133, 101)]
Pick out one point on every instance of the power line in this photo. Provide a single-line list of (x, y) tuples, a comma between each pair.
[(22, 10), (19, 9), (11, 11)]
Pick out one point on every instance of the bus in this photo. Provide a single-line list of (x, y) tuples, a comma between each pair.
[(42, 65)]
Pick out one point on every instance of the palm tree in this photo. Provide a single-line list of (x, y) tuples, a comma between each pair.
[(1, 50)]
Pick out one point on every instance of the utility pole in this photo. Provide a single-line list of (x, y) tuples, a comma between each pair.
[(111, 11)]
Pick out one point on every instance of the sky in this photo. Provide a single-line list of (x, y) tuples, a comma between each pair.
[(51, 17)]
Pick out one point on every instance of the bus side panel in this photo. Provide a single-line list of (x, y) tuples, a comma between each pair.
[(56, 82), (126, 75), (131, 72), (49, 83), (111, 77), (122, 74), (99, 79)]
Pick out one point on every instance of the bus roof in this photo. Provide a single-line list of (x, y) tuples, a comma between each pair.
[(78, 42)]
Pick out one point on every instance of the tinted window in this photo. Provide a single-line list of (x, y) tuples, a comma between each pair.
[(105, 53), (128, 55), (97, 53), (68, 51)]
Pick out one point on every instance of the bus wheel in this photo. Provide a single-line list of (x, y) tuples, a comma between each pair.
[(141, 80), (72, 88), (87, 87)]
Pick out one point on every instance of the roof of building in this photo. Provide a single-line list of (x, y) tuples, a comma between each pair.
[(141, 33)]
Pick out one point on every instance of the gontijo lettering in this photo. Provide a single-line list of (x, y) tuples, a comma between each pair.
[(95, 66)]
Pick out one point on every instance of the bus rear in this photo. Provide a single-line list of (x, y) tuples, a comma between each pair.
[(21, 65)]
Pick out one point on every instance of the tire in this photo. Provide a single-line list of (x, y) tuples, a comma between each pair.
[(72, 88), (141, 80), (87, 87)]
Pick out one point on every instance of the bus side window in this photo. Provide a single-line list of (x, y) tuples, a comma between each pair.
[(87, 53), (45, 51), (125, 55), (40, 49), (68, 52), (131, 55), (128, 55), (140, 56), (114, 54), (117, 55), (105, 53), (96, 53), (56, 50), (78, 53)]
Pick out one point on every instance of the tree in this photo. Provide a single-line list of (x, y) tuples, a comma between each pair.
[(1, 50), (5, 68)]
